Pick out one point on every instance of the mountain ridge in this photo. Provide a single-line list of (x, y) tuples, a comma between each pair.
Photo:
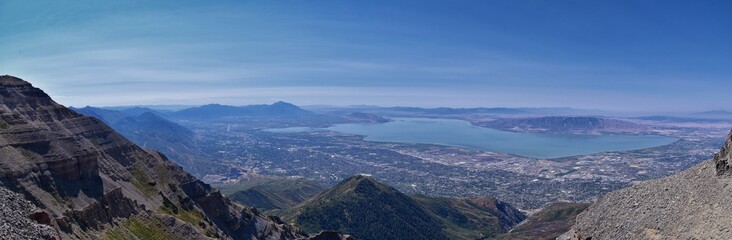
[(150, 130), (344, 208), (368, 209), (90, 182), (213, 111)]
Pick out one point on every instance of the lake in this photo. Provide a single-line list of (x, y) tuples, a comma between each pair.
[(461, 133)]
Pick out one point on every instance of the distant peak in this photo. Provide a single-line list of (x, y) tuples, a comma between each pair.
[(212, 105), (363, 184), (360, 178), (281, 103), (149, 115)]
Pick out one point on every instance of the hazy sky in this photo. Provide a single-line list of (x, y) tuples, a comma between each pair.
[(614, 55)]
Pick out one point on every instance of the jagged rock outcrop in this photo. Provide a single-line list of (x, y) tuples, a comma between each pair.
[(93, 183), (693, 204), (722, 159)]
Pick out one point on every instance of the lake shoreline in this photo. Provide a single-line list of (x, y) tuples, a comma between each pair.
[(461, 133)]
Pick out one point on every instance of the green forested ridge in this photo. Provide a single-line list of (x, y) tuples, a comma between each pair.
[(367, 209), (275, 193)]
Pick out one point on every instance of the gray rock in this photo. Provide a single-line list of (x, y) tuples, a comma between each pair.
[(14, 220), (693, 204), (722, 159), (89, 179)]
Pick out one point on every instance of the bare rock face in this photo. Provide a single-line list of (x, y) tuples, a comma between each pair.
[(234, 220), (722, 159), (693, 204), (90, 182)]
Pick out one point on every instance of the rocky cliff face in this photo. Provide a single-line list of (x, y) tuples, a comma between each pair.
[(693, 204), (722, 159), (90, 182)]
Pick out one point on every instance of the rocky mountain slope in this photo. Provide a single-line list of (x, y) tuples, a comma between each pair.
[(693, 204), (368, 209), (20, 219), (90, 182)]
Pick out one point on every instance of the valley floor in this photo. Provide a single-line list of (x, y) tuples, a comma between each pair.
[(329, 157)]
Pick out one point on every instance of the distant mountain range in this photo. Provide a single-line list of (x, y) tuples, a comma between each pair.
[(148, 129), (159, 108), (575, 125), (276, 115), (135, 120), (715, 112), (446, 111), (211, 111)]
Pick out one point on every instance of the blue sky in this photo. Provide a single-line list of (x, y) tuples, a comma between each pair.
[(612, 55)]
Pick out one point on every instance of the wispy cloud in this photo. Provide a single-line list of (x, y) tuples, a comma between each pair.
[(117, 53)]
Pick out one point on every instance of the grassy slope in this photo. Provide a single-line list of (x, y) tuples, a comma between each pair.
[(461, 218), (368, 210), (548, 223), (272, 194)]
